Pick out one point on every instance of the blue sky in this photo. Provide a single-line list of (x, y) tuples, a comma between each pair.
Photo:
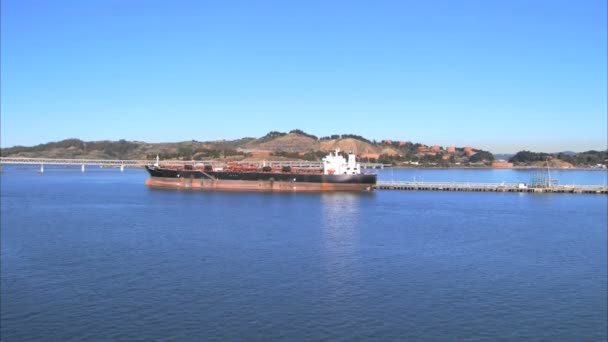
[(499, 75)]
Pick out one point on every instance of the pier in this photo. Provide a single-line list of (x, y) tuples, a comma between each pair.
[(491, 187)]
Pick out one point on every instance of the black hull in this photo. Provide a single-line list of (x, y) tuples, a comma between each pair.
[(365, 179)]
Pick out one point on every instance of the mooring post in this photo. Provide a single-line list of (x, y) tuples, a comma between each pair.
[(41, 168), (82, 169), (122, 167)]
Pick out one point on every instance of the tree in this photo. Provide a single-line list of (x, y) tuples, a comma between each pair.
[(185, 152), (272, 135), (481, 156), (527, 157), (301, 132)]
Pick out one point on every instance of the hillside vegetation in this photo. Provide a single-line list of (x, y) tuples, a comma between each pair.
[(583, 159), (297, 144), (279, 143)]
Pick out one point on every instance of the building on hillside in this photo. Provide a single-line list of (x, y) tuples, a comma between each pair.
[(469, 151), (451, 149)]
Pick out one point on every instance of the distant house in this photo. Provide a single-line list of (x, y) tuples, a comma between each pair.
[(451, 149), (469, 151), (435, 148)]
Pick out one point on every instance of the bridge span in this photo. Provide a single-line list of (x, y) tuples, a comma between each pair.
[(122, 164)]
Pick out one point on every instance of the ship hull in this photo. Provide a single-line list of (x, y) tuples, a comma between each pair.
[(256, 181)]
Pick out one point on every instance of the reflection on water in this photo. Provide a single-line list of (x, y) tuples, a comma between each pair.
[(340, 242)]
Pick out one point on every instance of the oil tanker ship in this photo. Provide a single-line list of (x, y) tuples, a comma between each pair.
[(337, 174)]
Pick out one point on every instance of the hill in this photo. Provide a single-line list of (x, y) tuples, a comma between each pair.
[(295, 144), (291, 142), (122, 149), (561, 160)]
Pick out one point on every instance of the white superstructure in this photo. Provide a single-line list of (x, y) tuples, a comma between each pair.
[(334, 163)]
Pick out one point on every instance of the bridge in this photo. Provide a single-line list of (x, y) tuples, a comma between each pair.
[(122, 164)]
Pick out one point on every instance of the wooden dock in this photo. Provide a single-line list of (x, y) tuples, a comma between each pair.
[(491, 187)]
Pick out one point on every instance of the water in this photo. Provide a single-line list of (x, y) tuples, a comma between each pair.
[(100, 256)]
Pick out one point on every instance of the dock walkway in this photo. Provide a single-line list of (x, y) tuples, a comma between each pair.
[(491, 187)]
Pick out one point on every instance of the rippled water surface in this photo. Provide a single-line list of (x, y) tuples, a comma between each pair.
[(99, 256)]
